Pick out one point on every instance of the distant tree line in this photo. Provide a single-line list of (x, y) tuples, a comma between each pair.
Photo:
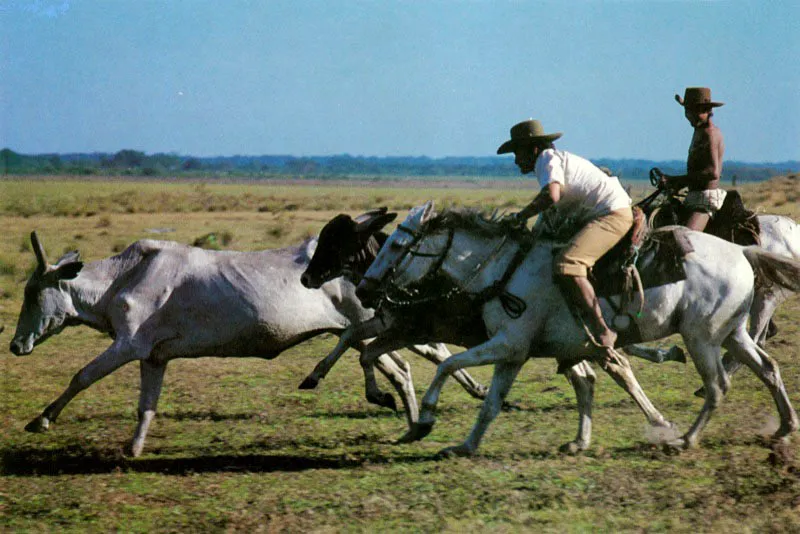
[(135, 163)]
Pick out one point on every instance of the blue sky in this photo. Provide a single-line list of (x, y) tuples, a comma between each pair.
[(380, 78)]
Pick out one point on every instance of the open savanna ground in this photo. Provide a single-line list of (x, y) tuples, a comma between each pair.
[(237, 447)]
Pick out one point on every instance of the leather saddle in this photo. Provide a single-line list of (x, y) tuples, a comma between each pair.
[(733, 222), (657, 255)]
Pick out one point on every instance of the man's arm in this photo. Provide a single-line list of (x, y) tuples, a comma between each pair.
[(710, 172), (546, 198)]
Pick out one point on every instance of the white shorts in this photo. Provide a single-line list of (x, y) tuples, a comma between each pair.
[(708, 201)]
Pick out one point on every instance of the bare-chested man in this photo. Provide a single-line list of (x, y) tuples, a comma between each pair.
[(704, 165)]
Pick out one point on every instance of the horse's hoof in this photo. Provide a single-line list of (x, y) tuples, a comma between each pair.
[(416, 432), (40, 424), (676, 354), (573, 447), (309, 383), (459, 451), (510, 407), (677, 445)]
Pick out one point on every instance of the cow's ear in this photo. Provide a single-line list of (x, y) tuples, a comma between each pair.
[(374, 224), (364, 217), (67, 271)]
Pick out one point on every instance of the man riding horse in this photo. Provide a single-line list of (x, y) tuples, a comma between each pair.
[(704, 164), (573, 187)]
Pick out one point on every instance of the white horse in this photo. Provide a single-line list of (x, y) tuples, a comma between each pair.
[(348, 247), (779, 235), (531, 319)]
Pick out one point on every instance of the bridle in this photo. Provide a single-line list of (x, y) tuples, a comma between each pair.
[(410, 250), (406, 297)]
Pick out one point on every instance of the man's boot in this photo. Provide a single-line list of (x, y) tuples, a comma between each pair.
[(580, 293)]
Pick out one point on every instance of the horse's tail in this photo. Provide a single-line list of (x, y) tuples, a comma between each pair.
[(773, 269)]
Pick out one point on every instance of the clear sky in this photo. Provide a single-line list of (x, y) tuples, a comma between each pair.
[(387, 77)]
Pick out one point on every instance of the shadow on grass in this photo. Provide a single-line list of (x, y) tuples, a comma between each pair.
[(73, 461)]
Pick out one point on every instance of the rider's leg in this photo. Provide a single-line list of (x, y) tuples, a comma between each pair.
[(698, 220), (572, 264), (581, 294)]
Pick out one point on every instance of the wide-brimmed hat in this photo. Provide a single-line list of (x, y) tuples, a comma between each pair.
[(525, 133), (697, 96)]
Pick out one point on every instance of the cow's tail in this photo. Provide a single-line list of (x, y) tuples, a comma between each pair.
[(773, 269)]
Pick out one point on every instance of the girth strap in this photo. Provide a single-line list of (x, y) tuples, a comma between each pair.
[(512, 304)]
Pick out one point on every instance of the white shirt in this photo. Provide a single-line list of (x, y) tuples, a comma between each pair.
[(584, 187)]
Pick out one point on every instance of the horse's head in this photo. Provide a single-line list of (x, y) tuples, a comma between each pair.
[(343, 241), (395, 262)]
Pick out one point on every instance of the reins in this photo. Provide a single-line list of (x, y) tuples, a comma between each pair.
[(512, 305)]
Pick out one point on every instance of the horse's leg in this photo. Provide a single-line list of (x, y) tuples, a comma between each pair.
[(504, 375), (114, 357), (349, 337), (398, 372), (497, 349), (744, 349), (619, 368), (152, 377), (707, 361), (437, 353), (582, 378), (765, 302), (655, 355)]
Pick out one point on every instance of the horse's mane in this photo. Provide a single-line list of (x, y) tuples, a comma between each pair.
[(476, 220)]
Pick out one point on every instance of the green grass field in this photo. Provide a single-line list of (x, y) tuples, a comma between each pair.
[(237, 447)]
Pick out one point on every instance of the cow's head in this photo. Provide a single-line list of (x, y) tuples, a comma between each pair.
[(344, 241), (47, 304)]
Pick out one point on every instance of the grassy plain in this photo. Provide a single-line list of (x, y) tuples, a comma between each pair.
[(236, 447)]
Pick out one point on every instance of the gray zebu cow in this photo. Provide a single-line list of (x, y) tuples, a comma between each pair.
[(163, 300)]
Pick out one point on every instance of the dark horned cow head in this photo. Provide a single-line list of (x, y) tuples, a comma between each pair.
[(346, 246), (47, 305)]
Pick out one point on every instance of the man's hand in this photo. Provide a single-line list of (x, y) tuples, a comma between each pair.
[(517, 219), (658, 178)]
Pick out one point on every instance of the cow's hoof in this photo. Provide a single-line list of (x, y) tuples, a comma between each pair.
[(676, 354), (416, 432), (309, 383), (135, 448), (385, 400), (573, 447), (700, 393), (40, 424), (458, 451)]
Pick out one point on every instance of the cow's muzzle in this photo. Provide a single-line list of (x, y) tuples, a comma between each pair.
[(21, 348), (309, 282), (367, 292)]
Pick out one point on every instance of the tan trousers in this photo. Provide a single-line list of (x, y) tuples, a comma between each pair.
[(590, 243)]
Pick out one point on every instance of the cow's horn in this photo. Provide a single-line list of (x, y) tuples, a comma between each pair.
[(38, 249), (371, 214)]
